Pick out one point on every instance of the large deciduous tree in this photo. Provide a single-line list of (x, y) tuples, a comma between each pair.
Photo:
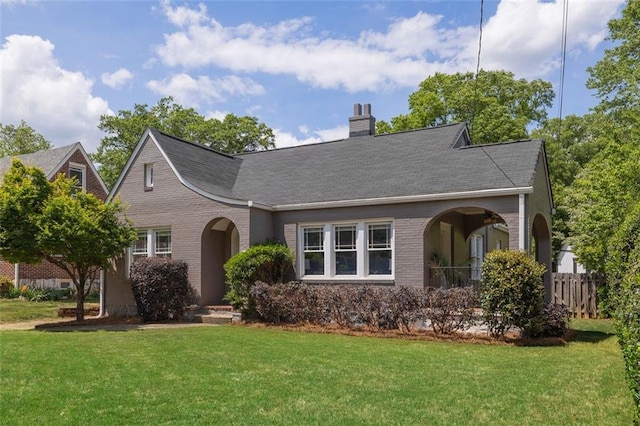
[(231, 135), (496, 105), (605, 217), (74, 230), (22, 139)]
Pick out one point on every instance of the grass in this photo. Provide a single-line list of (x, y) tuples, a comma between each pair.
[(17, 310), (239, 375)]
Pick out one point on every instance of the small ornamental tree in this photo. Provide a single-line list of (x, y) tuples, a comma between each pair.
[(512, 293), (267, 262), (52, 221)]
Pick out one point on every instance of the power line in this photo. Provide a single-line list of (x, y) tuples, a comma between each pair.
[(565, 16), (475, 86)]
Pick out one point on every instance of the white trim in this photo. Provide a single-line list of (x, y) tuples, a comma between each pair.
[(522, 228), (405, 199), (329, 251), (102, 301)]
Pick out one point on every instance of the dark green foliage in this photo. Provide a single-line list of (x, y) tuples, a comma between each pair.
[(161, 288), (267, 262), (555, 321), (512, 293), (451, 309), (378, 308), (623, 273)]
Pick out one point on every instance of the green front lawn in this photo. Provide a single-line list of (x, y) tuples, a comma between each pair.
[(239, 375), (16, 310)]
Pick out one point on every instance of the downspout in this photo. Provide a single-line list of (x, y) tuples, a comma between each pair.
[(522, 222), (16, 275), (102, 299)]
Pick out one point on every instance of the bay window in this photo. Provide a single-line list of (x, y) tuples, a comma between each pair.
[(362, 250)]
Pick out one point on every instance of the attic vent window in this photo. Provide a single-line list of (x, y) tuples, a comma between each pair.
[(148, 176), (78, 172)]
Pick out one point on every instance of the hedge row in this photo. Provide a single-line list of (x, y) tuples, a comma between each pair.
[(382, 308), (401, 308)]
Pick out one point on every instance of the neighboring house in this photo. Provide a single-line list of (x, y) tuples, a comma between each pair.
[(371, 208), (568, 262), (71, 160)]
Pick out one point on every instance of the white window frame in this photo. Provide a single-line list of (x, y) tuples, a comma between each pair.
[(151, 234), (362, 256), (83, 171), (148, 176)]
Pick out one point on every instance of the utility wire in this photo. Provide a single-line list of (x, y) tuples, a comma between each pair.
[(565, 16), (475, 86)]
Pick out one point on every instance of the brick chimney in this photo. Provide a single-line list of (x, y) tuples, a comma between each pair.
[(362, 124)]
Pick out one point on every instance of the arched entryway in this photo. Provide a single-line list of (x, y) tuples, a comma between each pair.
[(541, 249), (220, 241), (455, 242)]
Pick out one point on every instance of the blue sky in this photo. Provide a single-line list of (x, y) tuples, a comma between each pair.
[(298, 66)]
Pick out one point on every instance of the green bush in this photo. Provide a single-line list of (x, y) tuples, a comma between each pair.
[(512, 293), (623, 274), (6, 286), (267, 262), (161, 288)]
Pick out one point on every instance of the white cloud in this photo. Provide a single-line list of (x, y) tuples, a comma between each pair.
[(58, 103), (286, 139), (117, 79), (523, 36), (218, 115), (192, 91)]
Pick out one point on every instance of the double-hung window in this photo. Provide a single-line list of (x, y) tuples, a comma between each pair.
[(313, 250), (346, 252), (361, 250), (379, 251), (162, 246)]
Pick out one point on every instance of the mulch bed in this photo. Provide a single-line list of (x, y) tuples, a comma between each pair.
[(424, 335)]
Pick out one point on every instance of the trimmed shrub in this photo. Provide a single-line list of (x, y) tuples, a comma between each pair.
[(379, 308), (555, 320), (6, 286), (451, 309), (512, 293), (161, 288), (268, 263)]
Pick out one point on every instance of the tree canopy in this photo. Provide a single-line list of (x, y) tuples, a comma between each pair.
[(231, 135), (616, 77), (52, 221), (496, 106), (22, 139)]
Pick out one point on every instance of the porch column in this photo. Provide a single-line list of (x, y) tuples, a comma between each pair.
[(522, 222)]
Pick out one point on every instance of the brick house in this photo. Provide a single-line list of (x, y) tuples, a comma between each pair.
[(71, 160), (390, 209)]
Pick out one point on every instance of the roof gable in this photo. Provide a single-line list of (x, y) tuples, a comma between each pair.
[(52, 160)]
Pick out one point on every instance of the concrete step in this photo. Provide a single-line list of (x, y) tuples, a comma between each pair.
[(216, 318)]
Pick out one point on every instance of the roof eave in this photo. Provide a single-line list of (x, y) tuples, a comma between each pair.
[(498, 192)]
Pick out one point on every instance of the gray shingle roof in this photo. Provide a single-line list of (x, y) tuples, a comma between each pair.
[(49, 161), (204, 168), (414, 163)]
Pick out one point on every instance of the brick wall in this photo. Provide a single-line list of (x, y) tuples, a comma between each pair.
[(92, 181)]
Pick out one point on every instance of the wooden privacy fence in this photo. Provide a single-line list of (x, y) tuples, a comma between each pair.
[(578, 292)]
